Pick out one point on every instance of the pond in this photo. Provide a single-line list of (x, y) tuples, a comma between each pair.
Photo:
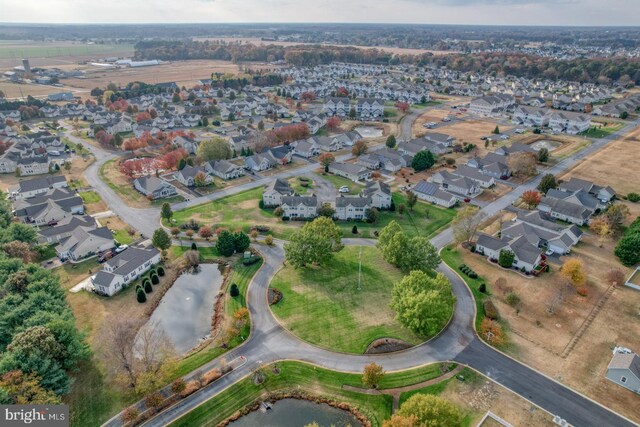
[(545, 143), (297, 413), (369, 131), (185, 312)]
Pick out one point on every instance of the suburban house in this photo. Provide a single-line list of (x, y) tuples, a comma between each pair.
[(52, 235), (379, 193), (576, 201), (223, 169), (492, 164), (187, 176), (123, 269), (275, 191), (369, 161), (603, 194), (352, 207), (33, 187), (392, 160), (433, 193), (485, 181), (527, 256), (438, 143), (347, 139), (326, 143), (260, 161), (49, 207), (299, 206), (306, 148), (541, 231), (154, 188), (189, 144), (515, 147), (491, 105), (624, 369), (84, 242), (530, 116), (456, 184), (350, 171), (571, 123), (339, 106)]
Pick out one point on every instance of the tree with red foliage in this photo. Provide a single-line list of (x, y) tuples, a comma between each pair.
[(103, 138), (342, 92), (4, 146), (333, 123), (326, 159), (359, 148), (403, 107), (531, 198), (143, 117), (290, 133), (307, 96), (171, 159)]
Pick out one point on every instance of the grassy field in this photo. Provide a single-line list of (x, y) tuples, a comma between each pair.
[(241, 211), (20, 50), (602, 131), (89, 197), (296, 184), (323, 305), (320, 381)]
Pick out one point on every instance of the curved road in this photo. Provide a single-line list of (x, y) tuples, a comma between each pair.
[(270, 342)]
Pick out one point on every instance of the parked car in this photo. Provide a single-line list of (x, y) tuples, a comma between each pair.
[(121, 248), (343, 189), (549, 252), (519, 131), (504, 137), (467, 200), (52, 223)]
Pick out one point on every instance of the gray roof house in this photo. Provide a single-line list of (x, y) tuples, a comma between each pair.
[(260, 161), (33, 187), (527, 256), (300, 206), (456, 184), (223, 169), (123, 269), (350, 171), (624, 369), (187, 176), (352, 207), (275, 191), (84, 242), (434, 194), (306, 148), (603, 194), (154, 188), (379, 193)]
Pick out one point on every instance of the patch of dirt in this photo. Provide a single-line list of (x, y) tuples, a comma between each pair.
[(275, 296), (247, 204), (387, 345)]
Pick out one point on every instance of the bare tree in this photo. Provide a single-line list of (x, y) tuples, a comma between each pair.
[(466, 223), (562, 288), (522, 164)]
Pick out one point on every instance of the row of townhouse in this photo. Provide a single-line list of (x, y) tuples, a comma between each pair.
[(558, 121), (628, 105), (576, 200), (314, 145), (492, 105), (365, 108), (279, 193), (34, 154), (275, 156)]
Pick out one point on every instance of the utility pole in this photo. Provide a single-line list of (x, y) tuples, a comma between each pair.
[(359, 269)]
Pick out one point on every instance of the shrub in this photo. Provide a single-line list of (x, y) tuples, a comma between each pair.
[(582, 291), (250, 261), (192, 387), (147, 287), (512, 299), (154, 279), (211, 376), (354, 229), (492, 332), (130, 414), (633, 197), (178, 386), (490, 310), (268, 240), (261, 204), (160, 271), (506, 258), (146, 282), (234, 291), (141, 296), (482, 288), (154, 400)]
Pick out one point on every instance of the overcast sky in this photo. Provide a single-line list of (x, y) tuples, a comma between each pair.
[(509, 12)]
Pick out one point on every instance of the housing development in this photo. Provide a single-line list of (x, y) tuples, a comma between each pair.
[(321, 224)]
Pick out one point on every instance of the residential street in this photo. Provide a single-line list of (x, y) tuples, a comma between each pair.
[(269, 342)]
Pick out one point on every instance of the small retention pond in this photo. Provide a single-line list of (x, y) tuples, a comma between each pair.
[(297, 413), (545, 143), (369, 131), (185, 312)]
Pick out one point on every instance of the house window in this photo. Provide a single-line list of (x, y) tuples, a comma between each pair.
[(623, 379)]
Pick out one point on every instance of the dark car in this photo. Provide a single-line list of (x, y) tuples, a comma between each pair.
[(52, 223)]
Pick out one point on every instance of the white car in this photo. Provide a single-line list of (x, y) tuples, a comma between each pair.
[(519, 131), (549, 252), (343, 189), (121, 248), (504, 137)]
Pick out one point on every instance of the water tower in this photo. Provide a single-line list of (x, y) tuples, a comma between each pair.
[(27, 67)]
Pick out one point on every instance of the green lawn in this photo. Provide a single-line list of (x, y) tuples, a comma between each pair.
[(89, 197), (601, 132), (241, 211), (123, 237), (296, 184), (339, 181), (206, 253), (323, 305), (294, 375), (452, 258)]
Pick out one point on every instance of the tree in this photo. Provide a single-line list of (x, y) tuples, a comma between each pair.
[(326, 159), (200, 180), (412, 199), (422, 303), (531, 198), (372, 215), (601, 227), (496, 130), (226, 243), (333, 123), (141, 296), (327, 229), (624, 115), (506, 258), (359, 148), (372, 375), (401, 421), (403, 107), (326, 210), (21, 250), (422, 160), (205, 232), (161, 239), (182, 163), (205, 122), (166, 212), (616, 216), (354, 229), (391, 141), (241, 241), (543, 155), (466, 223), (573, 271), (627, 248), (491, 331), (419, 254), (352, 113), (22, 389), (430, 410), (234, 291), (314, 243), (214, 149), (522, 164), (547, 182)]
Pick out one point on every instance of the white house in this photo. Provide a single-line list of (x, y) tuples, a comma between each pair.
[(123, 269)]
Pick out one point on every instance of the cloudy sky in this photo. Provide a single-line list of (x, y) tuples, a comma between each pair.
[(518, 12)]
